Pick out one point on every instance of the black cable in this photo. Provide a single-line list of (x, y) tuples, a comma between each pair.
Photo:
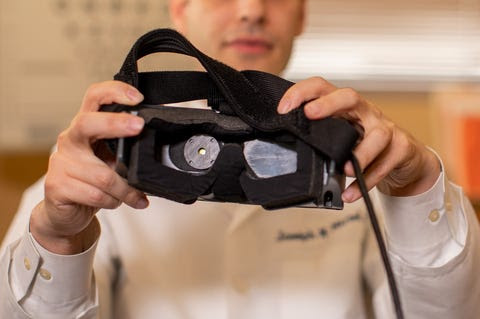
[(378, 235)]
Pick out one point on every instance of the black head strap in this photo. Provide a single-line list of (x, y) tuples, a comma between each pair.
[(252, 95)]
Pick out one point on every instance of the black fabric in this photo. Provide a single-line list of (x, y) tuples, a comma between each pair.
[(228, 167), (177, 86), (149, 175), (182, 116)]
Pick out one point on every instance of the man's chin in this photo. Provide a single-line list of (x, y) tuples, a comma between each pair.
[(263, 64)]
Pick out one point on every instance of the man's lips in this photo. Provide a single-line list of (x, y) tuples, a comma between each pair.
[(250, 45)]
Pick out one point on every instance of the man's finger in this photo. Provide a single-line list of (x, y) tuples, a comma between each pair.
[(335, 103), (76, 191), (302, 92), (375, 173), (106, 180), (373, 144), (91, 126), (109, 92)]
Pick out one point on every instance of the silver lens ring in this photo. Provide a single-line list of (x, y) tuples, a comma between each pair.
[(201, 151)]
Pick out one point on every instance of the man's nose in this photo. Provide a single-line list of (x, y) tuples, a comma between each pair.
[(251, 11)]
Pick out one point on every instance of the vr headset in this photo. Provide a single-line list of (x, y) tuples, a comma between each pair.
[(239, 150)]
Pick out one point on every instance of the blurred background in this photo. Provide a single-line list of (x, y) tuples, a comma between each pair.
[(418, 60)]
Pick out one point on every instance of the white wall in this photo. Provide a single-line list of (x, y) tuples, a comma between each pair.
[(51, 50)]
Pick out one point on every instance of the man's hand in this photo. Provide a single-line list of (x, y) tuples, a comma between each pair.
[(389, 157), (79, 180)]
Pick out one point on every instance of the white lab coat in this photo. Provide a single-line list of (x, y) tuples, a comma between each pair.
[(211, 260)]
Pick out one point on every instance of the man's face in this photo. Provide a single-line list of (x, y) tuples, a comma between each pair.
[(245, 34)]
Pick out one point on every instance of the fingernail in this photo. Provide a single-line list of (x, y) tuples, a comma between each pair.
[(136, 123), (141, 203), (134, 95), (347, 195), (285, 107)]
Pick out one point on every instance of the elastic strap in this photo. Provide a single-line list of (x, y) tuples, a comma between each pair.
[(252, 95)]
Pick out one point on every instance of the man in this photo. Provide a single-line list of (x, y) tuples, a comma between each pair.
[(228, 260)]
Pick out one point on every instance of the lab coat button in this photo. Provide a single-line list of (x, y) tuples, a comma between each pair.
[(434, 215), (45, 274), (26, 262)]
